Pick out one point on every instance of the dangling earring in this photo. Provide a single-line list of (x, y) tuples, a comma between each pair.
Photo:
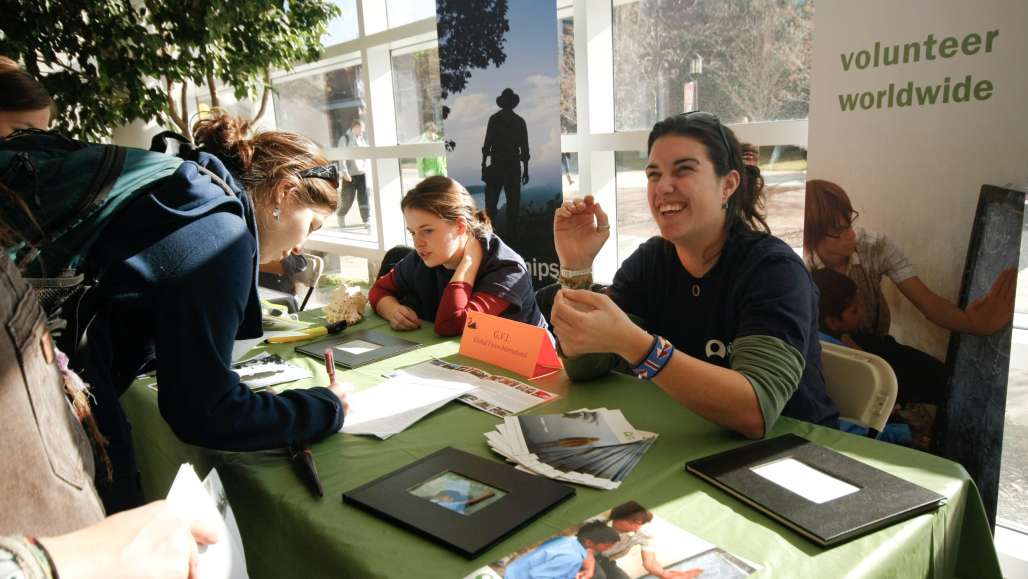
[(276, 213), (724, 204)]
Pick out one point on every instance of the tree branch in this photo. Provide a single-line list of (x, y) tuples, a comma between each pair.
[(210, 87), (185, 109), (175, 118), (264, 97)]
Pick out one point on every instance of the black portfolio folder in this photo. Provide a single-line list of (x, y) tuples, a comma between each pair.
[(872, 498), (461, 500), (351, 350)]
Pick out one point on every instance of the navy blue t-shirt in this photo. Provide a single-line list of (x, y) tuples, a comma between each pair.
[(758, 287), (503, 274)]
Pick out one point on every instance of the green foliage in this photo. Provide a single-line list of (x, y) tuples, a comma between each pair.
[(473, 33), (109, 62)]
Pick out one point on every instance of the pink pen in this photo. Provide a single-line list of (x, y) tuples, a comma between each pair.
[(330, 366)]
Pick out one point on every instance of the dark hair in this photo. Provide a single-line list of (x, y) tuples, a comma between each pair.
[(597, 532), (837, 293), (262, 162), (746, 206), (826, 205), (631, 511), (447, 200), (19, 90)]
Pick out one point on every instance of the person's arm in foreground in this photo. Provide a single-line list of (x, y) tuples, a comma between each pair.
[(983, 317), (153, 541)]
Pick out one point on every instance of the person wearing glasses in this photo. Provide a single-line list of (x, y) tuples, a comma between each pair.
[(721, 315), (179, 285), (830, 241)]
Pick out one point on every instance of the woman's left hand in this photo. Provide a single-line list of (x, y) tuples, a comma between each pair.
[(586, 322), (991, 313)]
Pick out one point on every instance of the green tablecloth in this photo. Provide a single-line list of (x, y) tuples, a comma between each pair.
[(288, 533)]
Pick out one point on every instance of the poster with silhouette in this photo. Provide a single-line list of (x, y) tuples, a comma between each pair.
[(501, 118)]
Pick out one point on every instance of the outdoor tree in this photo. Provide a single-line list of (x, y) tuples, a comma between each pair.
[(473, 33), (109, 62), (755, 58)]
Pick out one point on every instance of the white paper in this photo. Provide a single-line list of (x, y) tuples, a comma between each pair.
[(396, 403), (807, 482), (224, 559), (497, 395), (268, 369), (357, 347)]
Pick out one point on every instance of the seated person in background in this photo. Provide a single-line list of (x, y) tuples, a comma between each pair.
[(736, 302), (564, 557), (919, 377), (459, 265), (280, 275), (830, 241), (629, 521)]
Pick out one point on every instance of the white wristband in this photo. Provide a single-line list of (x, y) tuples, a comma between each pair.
[(570, 273)]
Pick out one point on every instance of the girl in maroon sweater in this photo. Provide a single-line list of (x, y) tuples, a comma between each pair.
[(459, 265)]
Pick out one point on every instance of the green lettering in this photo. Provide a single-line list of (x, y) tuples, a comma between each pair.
[(848, 102), (867, 103), (927, 94), (989, 37), (905, 95), (914, 47), (846, 62), (929, 44), (881, 96), (864, 56), (962, 90), (971, 44), (983, 90), (948, 47)]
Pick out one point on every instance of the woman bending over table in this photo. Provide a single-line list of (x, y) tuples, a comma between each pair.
[(727, 313), (459, 265)]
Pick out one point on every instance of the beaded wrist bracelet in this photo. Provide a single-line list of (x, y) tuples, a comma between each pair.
[(655, 361)]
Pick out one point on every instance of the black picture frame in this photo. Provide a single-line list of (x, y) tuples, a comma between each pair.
[(527, 497), (389, 346)]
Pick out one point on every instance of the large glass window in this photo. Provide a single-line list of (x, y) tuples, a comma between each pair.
[(400, 12), (635, 224), (321, 105), (344, 27), (743, 60), (417, 95), (784, 168)]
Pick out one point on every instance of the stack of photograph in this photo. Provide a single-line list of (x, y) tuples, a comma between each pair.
[(592, 447)]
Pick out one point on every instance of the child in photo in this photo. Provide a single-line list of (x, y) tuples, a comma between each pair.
[(564, 557), (459, 266)]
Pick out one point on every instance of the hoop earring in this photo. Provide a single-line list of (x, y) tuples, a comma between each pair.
[(276, 213)]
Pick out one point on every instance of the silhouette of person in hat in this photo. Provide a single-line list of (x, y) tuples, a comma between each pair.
[(506, 147)]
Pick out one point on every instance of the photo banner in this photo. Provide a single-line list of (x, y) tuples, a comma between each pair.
[(498, 65), (917, 109)]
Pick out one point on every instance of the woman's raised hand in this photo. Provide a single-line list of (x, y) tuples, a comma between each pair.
[(580, 228)]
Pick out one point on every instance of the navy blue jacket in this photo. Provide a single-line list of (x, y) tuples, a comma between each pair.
[(179, 282), (503, 273), (758, 287)]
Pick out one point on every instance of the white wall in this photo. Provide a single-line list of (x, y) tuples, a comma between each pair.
[(914, 172)]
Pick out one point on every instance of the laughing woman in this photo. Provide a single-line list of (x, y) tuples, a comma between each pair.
[(728, 312), (459, 265)]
